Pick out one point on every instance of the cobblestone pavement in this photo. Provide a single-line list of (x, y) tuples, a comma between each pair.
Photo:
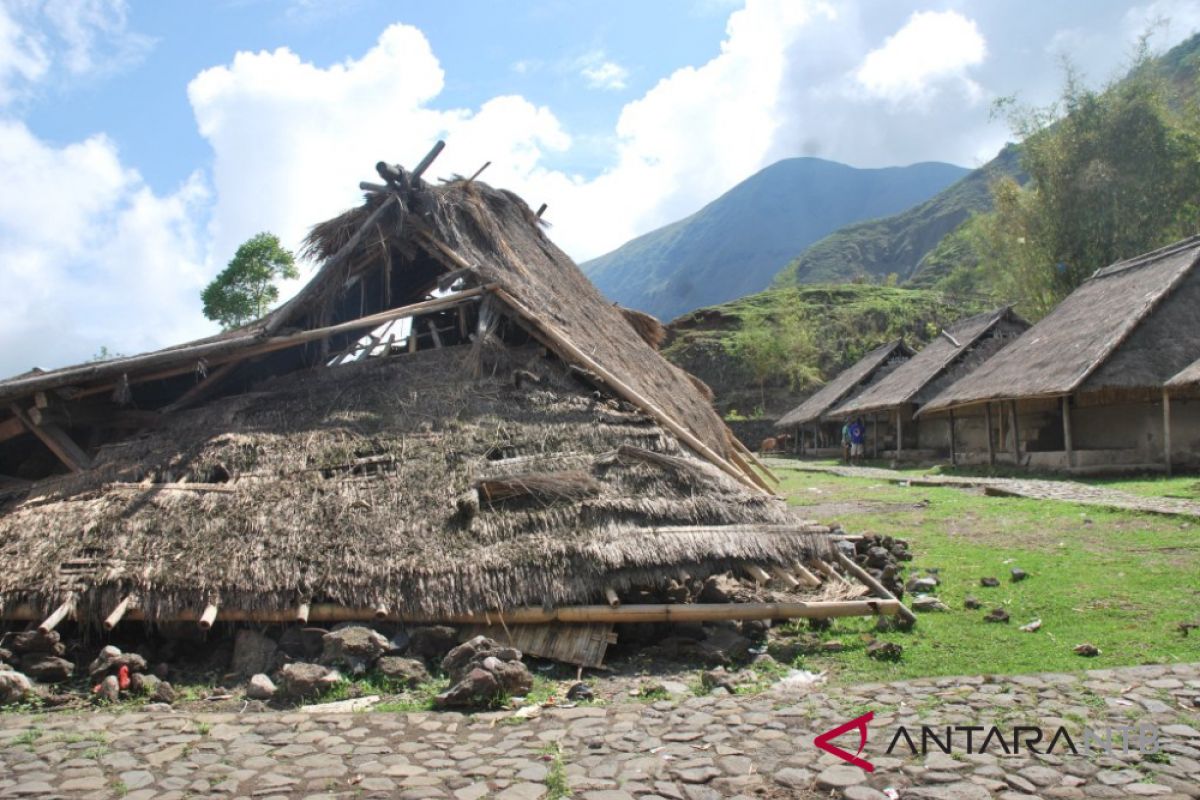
[(693, 749), (1065, 490)]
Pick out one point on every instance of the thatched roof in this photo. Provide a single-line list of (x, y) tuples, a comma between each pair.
[(532, 449), (914, 380), (1188, 376), (845, 385), (1132, 325)]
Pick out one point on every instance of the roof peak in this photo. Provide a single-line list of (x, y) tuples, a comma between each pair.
[(1191, 242)]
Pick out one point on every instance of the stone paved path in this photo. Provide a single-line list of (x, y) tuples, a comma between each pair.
[(1065, 490), (696, 749)]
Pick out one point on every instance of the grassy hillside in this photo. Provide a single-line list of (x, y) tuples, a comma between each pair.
[(829, 328), (899, 243), (736, 244)]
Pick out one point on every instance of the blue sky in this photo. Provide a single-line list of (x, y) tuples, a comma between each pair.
[(141, 141)]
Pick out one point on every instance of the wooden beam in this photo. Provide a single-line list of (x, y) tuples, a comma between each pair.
[(875, 435), (12, 428), (202, 389), (1066, 417), (1016, 432), (749, 454), (56, 616), (534, 615), (114, 617), (874, 585), (427, 161), (610, 594), (757, 573), (541, 210), (953, 443), (1166, 406), (899, 431), (57, 440), (987, 421)]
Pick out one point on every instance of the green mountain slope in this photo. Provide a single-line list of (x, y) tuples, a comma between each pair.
[(734, 245), (897, 244), (827, 328)]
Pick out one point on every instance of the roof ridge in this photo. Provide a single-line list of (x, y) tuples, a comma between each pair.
[(1145, 258)]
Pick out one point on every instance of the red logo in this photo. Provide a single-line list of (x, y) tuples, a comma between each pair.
[(860, 725)]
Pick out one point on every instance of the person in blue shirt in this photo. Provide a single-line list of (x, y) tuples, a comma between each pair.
[(858, 440), (846, 440)]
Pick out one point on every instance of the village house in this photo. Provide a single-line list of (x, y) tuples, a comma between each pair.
[(1086, 388)]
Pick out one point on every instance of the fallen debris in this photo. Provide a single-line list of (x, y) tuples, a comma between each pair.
[(996, 615), (971, 602), (884, 651), (1018, 575), (1086, 649), (1031, 627), (990, 583)]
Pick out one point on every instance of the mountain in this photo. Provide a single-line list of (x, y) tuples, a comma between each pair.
[(897, 244), (735, 244)]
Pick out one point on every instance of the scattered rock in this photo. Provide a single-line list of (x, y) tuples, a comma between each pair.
[(725, 646), (926, 602), (481, 671), (260, 687), (991, 583), (6, 656), (1087, 649), (109, 690), (1019, 575), (832, 646), (580, 693), (407, 671), (884, 651), (253, 652), (302, 644), (432, 642), (996, 615), (111, 659), (1032, 626), (37, 642), (163, 693), (307, 680), (922, 585), (972, 603), (354, 646), (14, 686), (46, 668), (719, 678), (143, 684)]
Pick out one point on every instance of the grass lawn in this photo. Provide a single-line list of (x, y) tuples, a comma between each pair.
[(1119, 580)]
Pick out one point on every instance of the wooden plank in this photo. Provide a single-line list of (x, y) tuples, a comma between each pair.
[(11, 428), (57, 440)]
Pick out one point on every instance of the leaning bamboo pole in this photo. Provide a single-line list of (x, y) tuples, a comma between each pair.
[(530, 615), (875, 586)]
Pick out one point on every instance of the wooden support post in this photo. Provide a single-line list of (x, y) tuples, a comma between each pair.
[(786, 579), (462, 323), (112, 619), (1166, 405), (827, 571), (874, 585), (381, 612), (987, 421), (57, 440), (953, 443), (610, 594), (1016, 432), (208, 616), (433, 333), (806, 577), (875, 435), (302, 612), (1067, 444), (56, 616), (899, 432), (412, 337)]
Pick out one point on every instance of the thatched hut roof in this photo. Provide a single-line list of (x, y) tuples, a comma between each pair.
[(917, 379), (846, 384), (520, 445), (1132, 325), (1188, 376)]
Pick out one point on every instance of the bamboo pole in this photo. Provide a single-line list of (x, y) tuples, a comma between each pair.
[(381, 612), (757, 573), (208, 616), (610, 594), (536, 615), (302, 611), (113, 618), (741, 463), (748, 453), (785, 578), (875, 586), (572, 354), (806, 576), (56, 616), (828, 571)]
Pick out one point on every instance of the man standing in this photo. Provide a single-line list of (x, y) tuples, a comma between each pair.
[(846, 440), (858, 440)]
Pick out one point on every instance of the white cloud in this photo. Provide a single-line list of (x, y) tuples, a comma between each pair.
[(96, 256), (603, 74), (932, 48), (22, 57), (1168, 21)]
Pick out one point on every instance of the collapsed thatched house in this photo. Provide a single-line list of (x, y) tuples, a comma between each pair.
[(955, 352), (1084, 388), (816, 429), (447, 423)]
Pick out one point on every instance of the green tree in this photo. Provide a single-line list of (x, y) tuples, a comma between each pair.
[(1112, 173), (246, 288), (776, 350)]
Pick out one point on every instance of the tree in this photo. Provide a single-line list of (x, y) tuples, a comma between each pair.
[(246, 288), (1112, 174)]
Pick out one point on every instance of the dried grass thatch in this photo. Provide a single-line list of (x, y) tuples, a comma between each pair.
[(850, 381)]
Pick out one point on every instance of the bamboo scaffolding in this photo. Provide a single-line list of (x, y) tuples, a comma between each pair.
[(530, 615)]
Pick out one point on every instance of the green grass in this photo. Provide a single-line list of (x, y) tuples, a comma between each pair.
[(419, 698), (1120, 580), (557, 787)]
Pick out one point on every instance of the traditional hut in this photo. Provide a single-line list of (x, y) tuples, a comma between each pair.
[(448, 423), (816, 430), (955, 352), (1083, 389)]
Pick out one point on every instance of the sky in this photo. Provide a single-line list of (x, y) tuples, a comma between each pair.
[(142, 141)]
